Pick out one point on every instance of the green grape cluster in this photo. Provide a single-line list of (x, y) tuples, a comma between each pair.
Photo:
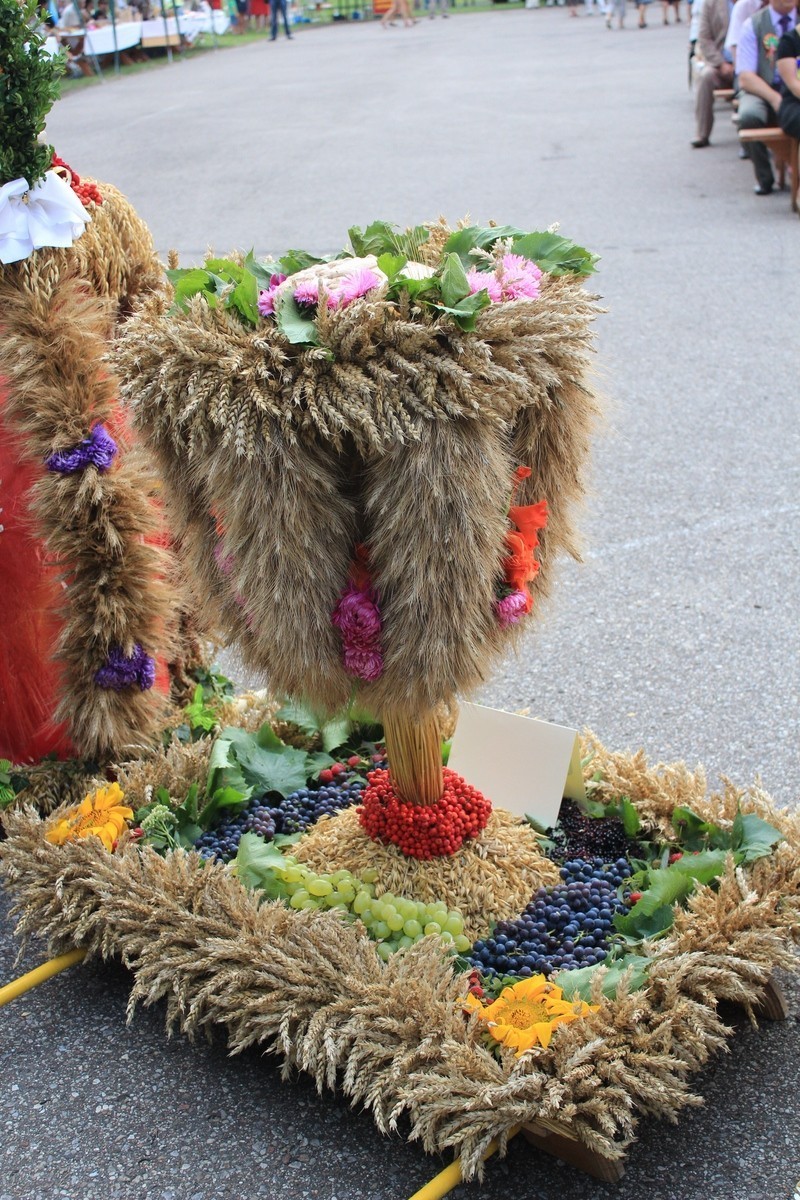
[(392, 921)]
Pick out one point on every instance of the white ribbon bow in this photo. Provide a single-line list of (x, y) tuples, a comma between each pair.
[(49, 214)]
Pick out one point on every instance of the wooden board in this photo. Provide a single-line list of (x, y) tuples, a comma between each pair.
[(556, 1139)]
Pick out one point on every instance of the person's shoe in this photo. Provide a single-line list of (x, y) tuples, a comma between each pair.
[(700, 143), (761, 190)]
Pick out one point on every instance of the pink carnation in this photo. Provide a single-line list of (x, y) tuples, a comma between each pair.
[(511, 608), (358, 619), (307, 292), (480, 280), (266, 299), (516, 278), (353, 287), (520, 278)]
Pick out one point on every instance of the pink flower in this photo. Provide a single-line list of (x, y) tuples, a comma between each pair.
[(511, 608), (520, 278), (516, 278), (363, 664), (358, 619), (224, 561), (480, 280), (266, 299), (307, 292), (353, 287)]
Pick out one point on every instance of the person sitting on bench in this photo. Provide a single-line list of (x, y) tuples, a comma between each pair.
[(759, 80)]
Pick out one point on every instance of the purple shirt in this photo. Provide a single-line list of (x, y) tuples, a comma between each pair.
[(747, 50)]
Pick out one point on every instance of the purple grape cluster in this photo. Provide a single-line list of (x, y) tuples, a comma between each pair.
[(563, 927), (290, 815), (305, 806)]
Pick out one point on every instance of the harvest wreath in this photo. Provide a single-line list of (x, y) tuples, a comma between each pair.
[(413, 985)]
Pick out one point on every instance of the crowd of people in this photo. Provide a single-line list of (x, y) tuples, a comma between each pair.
[(751, 47)]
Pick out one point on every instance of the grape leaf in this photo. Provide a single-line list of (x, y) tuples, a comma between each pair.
[(254, 863), (577, 984), (296, 324), (753, 837)]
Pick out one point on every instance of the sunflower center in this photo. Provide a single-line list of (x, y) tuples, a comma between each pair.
[(525, 1013)]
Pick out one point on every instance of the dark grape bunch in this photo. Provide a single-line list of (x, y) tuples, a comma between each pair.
[(563, 927), (579, 836), (290, 815), (305, 806)]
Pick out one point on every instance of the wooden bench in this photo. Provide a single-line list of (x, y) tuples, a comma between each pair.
[(785, 150)]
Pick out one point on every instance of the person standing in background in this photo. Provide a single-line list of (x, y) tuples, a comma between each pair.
[(277, 8)]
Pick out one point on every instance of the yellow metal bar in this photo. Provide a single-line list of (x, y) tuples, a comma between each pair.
[(18, 987), (451, 1176)]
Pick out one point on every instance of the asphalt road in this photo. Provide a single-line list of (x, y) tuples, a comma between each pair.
[(678, 632)]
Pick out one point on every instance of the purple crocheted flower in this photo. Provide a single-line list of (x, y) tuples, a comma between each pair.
[(122, 670), (511, 608), (358, 619), (97, 450)]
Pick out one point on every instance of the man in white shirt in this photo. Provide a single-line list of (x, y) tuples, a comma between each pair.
[(742, 9), (759, 80)]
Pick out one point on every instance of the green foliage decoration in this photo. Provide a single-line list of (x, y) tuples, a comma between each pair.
[(28, 89)]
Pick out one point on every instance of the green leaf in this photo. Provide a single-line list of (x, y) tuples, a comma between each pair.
[(391, 264), (191, 282), (414, 287), (262, 271), (578, 984), (637, 928), (335, 733), (300, 714), (254, 865), (702, 866), (480, 237), (554, 254), (222, 797), (753, 837), (454, 283), (225, 269), (466, 310), (631, 821), (296, 324), (244, 298), (382, 238), (281, 770), (297, 260)]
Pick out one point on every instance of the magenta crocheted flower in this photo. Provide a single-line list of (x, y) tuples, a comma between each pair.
[(358, 619), (511, 608)]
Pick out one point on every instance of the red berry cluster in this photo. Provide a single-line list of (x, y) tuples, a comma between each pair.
[(87, 193), (423, 830)]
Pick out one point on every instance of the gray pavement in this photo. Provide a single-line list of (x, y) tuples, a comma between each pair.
[(678, 632)]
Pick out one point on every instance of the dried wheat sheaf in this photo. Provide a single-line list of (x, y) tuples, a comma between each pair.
[(401, 431)]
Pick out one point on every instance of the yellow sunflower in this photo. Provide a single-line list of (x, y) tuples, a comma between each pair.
[(100, 814), (526, 1014)]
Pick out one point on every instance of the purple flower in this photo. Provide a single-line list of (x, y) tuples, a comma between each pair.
[(511, 608), (308, 292), (266, 299), (98, 450), (358, 619), (363, 664), (122, 670)]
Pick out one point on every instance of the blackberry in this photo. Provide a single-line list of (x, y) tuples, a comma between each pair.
[(579, 836)]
